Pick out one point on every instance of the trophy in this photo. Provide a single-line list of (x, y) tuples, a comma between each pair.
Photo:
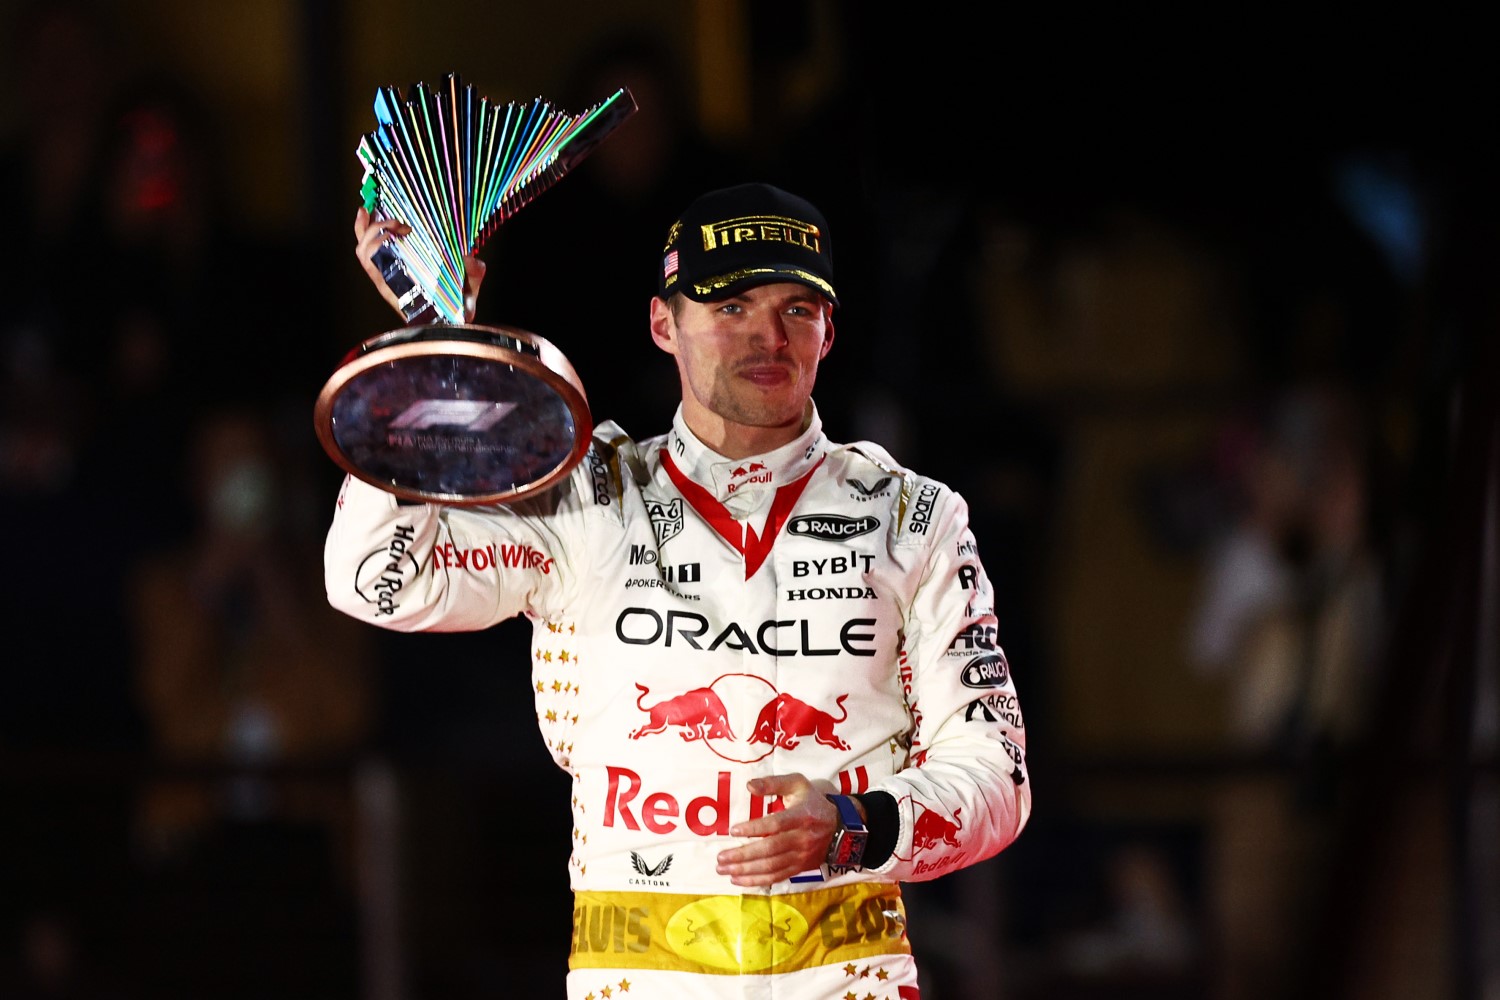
[(445, 410)]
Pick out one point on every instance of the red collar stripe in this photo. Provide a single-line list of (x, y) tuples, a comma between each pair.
[(754, 548)]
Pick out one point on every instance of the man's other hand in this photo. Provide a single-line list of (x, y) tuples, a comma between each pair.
[(791, 840)]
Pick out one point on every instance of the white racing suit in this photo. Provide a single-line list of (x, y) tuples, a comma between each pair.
[(698, 622)]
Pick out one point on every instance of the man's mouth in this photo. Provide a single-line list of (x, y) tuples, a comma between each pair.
[(765, 375)]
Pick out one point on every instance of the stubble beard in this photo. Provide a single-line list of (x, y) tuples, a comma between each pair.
[(744, 405)]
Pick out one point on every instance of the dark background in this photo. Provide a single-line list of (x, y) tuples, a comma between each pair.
[(1136, 285)]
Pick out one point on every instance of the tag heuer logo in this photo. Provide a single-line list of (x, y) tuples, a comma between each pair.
[(666, 518), (832, 527)]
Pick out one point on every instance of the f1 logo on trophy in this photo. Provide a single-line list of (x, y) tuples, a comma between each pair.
[(444, 410)]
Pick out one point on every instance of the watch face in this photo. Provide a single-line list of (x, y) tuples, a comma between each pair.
[(848, 848)]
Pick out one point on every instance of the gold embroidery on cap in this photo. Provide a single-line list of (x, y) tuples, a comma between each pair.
[(672, 235), (761, 228), (710, 285)]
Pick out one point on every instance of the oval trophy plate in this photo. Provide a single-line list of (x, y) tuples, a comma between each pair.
[(457, 414)]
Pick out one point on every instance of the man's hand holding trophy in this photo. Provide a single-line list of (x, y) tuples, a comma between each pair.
[(445, 410)]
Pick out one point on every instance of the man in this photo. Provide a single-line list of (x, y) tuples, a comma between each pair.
[(768, 661)]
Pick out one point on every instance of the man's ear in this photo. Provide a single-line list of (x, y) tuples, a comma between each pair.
[(663, 325)]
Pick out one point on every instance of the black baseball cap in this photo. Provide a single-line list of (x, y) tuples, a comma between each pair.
[(742, 236)]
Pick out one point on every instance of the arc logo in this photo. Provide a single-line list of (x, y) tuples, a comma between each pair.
[(466, 414)]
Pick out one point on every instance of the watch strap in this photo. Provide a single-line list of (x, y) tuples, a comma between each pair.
[(847, 848)]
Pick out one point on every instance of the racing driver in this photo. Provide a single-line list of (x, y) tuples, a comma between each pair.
[(768, 662)]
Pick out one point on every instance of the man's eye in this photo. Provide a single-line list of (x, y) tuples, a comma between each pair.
[(729, 307)]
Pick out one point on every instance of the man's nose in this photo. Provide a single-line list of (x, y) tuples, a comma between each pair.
[(769, 331)]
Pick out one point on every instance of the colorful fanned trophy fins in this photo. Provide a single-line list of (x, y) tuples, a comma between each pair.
[(454, 166), (443, 410)]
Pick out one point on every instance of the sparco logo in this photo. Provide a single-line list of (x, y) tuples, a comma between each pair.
[(599, 477), (921, 514), (832, 527), (986, 672), (397, 566)]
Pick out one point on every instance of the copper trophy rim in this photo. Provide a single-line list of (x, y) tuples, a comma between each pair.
[(519, 349)]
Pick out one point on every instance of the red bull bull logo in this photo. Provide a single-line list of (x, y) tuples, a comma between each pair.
[(744, 475), (785, 720), (741, 718), (932, 829), (697, 714)]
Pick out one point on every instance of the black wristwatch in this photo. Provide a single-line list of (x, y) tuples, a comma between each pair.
[(847, 849)]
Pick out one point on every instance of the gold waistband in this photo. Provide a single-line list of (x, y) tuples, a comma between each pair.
[(726, 935)]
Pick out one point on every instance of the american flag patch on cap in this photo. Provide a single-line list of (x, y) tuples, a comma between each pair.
[(669, 264)]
